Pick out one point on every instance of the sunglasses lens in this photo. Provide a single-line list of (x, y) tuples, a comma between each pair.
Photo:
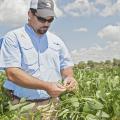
[(43, 20), (50, 20)]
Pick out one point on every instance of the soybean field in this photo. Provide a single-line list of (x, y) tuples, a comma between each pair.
[(97, 97)]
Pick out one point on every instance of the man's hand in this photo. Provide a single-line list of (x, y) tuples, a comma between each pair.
[(70, 83), (55, 89)]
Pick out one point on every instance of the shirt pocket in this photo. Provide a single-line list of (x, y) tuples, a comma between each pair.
[(29, 59), (29, 55), (53, 56), (54, 48)]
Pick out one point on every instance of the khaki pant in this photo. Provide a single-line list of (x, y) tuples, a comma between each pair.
[(41, 110), (45, 110)]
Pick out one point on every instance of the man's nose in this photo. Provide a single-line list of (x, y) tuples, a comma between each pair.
[(46, 23)]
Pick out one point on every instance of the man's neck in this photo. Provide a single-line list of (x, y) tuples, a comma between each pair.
[(40, 35)]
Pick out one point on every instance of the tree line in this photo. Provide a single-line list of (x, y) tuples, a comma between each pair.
[(102, 64)]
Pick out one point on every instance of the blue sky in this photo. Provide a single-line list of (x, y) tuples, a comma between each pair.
[(90, 28)]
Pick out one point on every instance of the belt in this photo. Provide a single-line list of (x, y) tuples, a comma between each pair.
[(14, 97)]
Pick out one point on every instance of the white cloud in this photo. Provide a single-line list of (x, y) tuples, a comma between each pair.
[(98, 7), (110, 32), (103, 2), (79, 8), (97, 53), (111, 9), (85, 54), (82, 29), (14, 12)]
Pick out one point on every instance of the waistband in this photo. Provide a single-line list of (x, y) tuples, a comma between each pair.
[(10, 93)]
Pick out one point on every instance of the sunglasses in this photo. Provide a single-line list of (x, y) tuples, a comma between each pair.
[(43, 20)]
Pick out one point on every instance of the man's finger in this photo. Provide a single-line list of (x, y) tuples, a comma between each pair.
[(60, 86)]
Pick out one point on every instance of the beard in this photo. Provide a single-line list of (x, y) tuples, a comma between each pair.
[(42, 30)]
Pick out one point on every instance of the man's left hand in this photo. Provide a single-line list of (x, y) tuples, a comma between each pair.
[(70, 83)]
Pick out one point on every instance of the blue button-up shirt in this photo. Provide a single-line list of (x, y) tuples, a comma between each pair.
[(40, 56)]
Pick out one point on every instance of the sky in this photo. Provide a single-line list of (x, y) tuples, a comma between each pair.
[(89, 28)]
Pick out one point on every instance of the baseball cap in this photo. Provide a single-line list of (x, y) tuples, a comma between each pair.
[(44, 8)]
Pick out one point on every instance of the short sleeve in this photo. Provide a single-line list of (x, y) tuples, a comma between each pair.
[(10, 55), (65, 57)]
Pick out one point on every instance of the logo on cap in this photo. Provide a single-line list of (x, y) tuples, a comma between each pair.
[(48, 5)]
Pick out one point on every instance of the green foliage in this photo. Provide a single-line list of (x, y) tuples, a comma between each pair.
[(3, 97), (97, 96)]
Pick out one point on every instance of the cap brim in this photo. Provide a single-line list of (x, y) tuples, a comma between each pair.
[(45, 12)]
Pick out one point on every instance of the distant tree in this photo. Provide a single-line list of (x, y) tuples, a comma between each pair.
[(116, 62), (82, 65), (91, 64), (108, 62)]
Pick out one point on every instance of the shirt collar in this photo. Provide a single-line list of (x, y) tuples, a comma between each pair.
[(31, 32)]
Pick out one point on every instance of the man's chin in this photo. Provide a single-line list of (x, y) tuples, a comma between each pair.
[(41, 32)]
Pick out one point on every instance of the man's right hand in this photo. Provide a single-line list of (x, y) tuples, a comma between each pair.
[(55, 89)]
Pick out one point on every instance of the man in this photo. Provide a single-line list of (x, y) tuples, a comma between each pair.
[(35, 59)]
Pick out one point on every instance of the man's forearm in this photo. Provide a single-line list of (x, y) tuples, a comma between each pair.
[(23, 79)]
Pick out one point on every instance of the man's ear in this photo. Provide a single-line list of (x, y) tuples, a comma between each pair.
[(29, 14)]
